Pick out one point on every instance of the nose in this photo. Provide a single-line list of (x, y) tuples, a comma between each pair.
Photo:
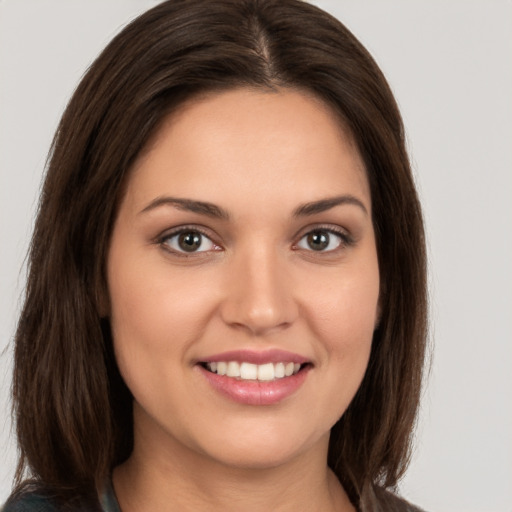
[(260, 293)]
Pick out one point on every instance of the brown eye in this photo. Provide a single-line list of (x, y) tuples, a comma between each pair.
[(318, 240), (189, 241), (321, 240)]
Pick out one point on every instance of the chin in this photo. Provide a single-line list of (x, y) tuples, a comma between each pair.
[(249, 458), (266, 449)]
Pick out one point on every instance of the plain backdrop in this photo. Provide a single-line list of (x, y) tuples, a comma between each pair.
[(450, 65)]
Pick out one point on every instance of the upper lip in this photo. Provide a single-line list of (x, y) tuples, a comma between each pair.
[(257, 357)]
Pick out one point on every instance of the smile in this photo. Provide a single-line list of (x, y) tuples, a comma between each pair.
[(255, 377), (249, 371)]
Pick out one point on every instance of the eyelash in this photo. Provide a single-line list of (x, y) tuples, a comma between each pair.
[(345, 240)]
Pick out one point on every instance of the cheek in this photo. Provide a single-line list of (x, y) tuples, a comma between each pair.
[(152, 297), (156, 314), (343, 314), (342, 318), (345, 309)]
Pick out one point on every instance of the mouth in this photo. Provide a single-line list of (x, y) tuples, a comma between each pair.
[(254, 372), (255, 378)]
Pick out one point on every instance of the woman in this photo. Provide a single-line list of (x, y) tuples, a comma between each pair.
[(226, 303)]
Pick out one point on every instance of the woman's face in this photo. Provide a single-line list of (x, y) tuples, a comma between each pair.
[(243, 279)]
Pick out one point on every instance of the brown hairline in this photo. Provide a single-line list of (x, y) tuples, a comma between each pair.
[(72, 409)]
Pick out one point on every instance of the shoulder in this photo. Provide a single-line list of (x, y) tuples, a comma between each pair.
[(29, 502), (383, 500)]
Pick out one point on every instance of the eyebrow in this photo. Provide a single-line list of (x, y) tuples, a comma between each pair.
[(214, 211), (190, 205), (326, 204)]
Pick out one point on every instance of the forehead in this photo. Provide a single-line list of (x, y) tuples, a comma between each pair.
[(286, 145)]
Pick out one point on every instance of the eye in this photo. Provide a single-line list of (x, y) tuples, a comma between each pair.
[(188, 241), (322, 240)]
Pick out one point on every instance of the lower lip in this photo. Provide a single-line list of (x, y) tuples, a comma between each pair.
[(253, 392)]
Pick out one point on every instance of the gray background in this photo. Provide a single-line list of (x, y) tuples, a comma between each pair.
[(450, 65)]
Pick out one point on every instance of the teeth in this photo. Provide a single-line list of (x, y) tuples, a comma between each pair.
[(222, 368), (266, 372), (233, 369), (249, 371)]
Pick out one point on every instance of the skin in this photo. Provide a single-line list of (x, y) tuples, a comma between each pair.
[(254, 284)]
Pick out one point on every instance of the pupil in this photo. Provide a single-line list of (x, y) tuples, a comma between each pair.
[(318, 240), (189, 242)]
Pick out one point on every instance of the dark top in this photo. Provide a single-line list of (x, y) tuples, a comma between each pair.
[(36, 502), (378, 501)]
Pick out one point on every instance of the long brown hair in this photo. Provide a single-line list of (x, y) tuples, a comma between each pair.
[(72, 409)]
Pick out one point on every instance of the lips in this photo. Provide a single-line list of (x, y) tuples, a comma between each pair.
[(255, 378)]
